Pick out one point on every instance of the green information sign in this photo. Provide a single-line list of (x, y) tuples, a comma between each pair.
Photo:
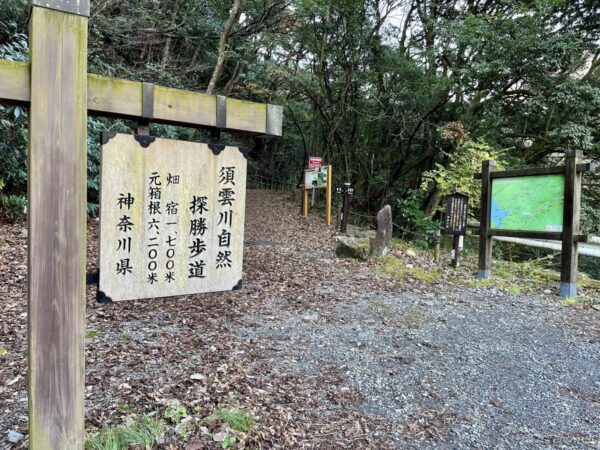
[(528, 203)]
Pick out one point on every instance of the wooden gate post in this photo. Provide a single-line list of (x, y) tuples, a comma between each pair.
[(571, 213), (57, 222), (485, 240)]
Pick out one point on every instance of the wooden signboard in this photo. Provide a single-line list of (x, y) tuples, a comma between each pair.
[(536, 203), (456, 214), (171, 218), (528, 203), (315, 178)]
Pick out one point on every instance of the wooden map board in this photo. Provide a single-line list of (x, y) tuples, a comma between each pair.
[(171, 218)]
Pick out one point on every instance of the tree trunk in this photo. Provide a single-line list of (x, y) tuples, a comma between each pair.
[(234, 15), (167, 49), (433, 203)]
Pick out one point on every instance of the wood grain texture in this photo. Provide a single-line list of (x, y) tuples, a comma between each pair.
[(123, 98), (485, 240), (113, 97), (127, 169), (57, 229), (571, 215), (247, 116), (14, 84)]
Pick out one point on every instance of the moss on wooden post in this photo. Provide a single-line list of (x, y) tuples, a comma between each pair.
[(57, 228)]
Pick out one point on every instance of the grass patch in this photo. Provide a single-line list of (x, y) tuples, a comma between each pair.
[(529, 277), (394, 267), (143, 431), (91, 334), (238, 420)]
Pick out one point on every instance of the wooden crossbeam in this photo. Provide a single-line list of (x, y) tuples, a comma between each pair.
[(114, 97)]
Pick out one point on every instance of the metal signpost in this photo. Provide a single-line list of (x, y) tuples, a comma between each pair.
[(347, 191), (538, 203), (60, 94), (455, 222)]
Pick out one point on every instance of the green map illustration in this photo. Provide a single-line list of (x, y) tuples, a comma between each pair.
[(531, 203)]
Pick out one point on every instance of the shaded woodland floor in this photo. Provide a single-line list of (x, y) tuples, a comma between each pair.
[(327, 352)]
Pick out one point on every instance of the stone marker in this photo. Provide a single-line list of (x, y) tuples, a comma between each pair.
[(381, 243)]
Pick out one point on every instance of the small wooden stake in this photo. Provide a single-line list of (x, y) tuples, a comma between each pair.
[(455, 241), (485, 240), (436, 249), (57, 228)]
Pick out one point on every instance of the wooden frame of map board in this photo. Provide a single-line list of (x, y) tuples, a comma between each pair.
[(567, 231)]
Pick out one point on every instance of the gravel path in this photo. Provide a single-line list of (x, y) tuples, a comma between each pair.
[(328, 352), (457, 368)]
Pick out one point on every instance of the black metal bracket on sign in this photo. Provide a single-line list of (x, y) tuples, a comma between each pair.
[(102, 298), (107, 136), (94, 278), (216, 147), (144, 140), (238, 287), (244, 151)]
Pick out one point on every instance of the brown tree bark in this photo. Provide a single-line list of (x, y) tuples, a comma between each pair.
[(234, 15), (167, 49)]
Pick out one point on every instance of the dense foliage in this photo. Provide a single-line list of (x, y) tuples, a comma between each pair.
[(403, 97)]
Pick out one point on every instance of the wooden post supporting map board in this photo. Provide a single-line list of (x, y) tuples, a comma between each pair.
[(569, 255), (485, 240), (537, 203), (60, 94), (318, 178)]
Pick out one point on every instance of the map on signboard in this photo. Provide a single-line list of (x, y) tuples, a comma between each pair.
[(529, 203), (171, 218), (316, 178)]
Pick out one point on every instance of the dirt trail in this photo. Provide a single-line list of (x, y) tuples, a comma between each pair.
[(326, 353)]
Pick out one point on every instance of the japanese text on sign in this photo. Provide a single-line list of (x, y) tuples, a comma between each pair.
[(172, 218)]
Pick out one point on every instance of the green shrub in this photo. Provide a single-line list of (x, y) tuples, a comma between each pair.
[(13, 206)]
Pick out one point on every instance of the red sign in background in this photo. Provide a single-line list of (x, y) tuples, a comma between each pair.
[(314, 162)]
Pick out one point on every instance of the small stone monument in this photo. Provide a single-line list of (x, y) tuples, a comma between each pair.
[(381, 243)]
